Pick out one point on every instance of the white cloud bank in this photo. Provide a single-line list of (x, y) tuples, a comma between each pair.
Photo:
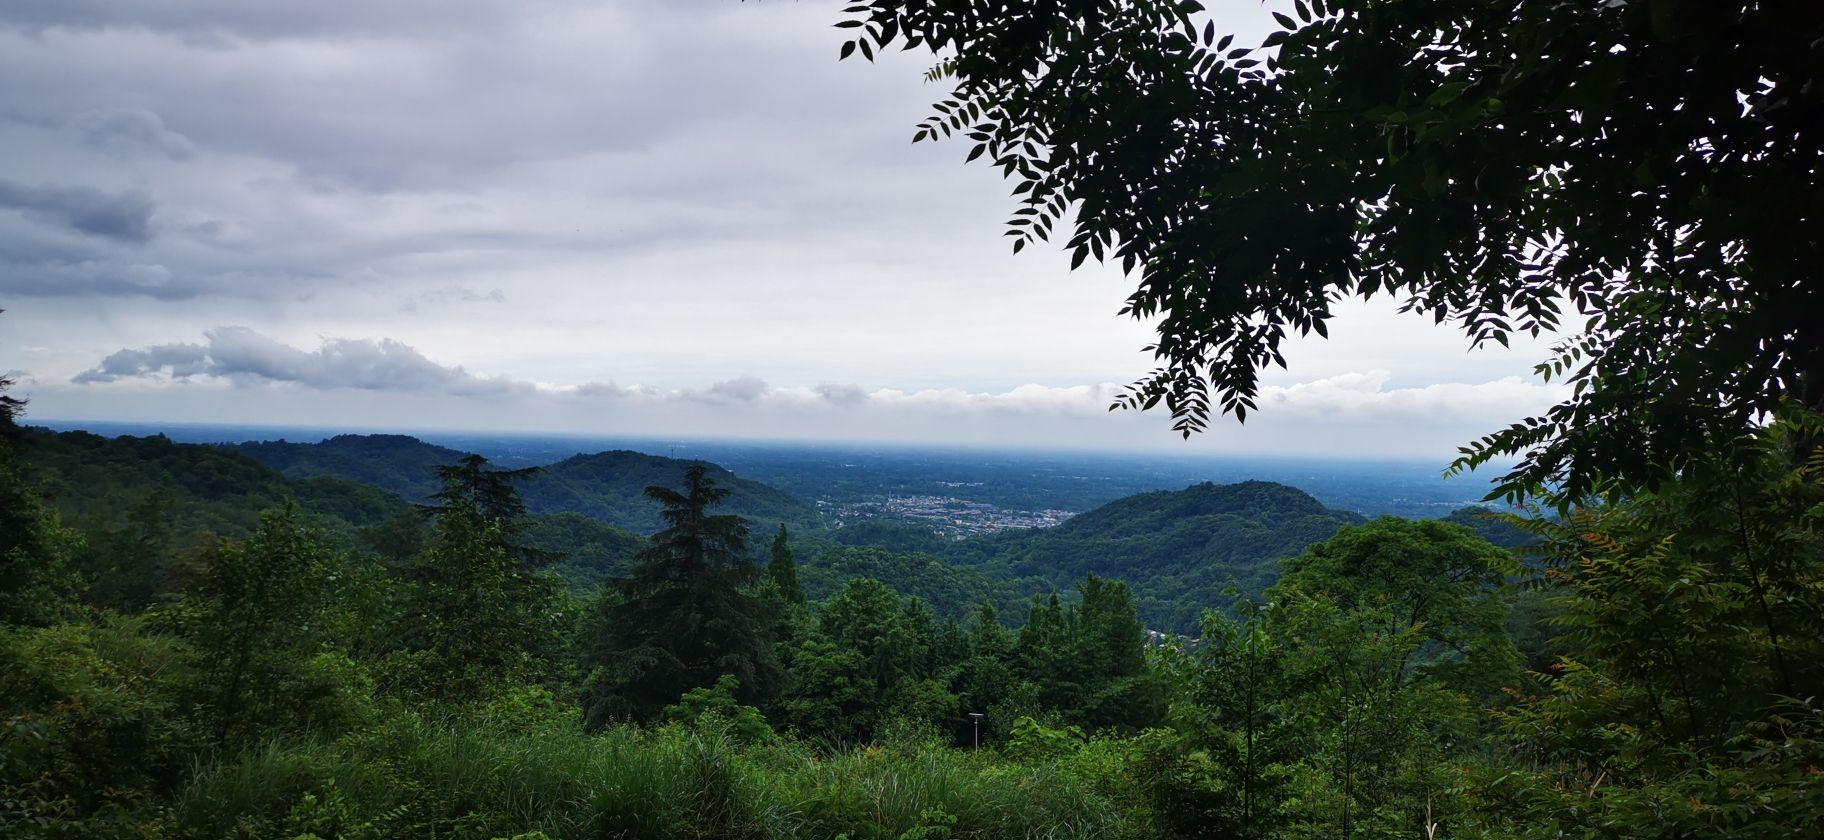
[(238, 375), (240, 355)]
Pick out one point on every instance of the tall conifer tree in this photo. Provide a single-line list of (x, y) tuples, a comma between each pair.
[(479, 613), (782, 569), (682, 619)]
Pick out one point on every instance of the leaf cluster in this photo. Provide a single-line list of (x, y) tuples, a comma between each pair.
[(1641, 176)]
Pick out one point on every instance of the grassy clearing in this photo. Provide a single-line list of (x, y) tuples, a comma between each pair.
[(486, 779)]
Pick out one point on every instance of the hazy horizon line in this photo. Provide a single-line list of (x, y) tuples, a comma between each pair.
[(426, 434)]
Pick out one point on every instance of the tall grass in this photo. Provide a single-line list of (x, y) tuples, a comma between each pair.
[(426, 778)]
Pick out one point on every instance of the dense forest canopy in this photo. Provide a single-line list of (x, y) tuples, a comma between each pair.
[(305, 676)]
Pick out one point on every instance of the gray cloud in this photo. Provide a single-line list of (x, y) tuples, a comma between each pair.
[(93, 276), (841, 393), (1344, 415), (430, 143), (125, 217), (443, 297), (741, 389), (130, 131), (247, 357), (215, 22), (183, 360), (605, 390)]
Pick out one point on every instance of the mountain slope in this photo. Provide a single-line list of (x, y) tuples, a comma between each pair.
[(90, 478), (399, 463), (586, 552), (141, 502), (1179, 550), (609, 487), (1486, 523)]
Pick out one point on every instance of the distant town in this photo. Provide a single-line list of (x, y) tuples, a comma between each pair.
[(947, 515)]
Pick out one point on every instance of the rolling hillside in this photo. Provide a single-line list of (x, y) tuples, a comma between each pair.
[(101, 480), (399, 463), (606, 486), (142, 504), (1181, 551), (611, 487)]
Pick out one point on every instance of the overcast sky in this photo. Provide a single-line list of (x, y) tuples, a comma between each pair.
[(657, 217)]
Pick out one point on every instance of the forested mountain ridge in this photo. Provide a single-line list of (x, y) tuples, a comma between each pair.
[(88, 477), (399, 463), (1181, 550), (610, 487), (140, 501), (1488, 524), (606, 486), (142, 504)]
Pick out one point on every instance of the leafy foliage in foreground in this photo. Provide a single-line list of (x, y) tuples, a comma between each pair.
[(1688, 701), (1655, 165)]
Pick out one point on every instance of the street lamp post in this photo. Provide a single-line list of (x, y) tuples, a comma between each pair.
[(975, 719)]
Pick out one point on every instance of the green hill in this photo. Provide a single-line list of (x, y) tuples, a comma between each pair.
[(1182, 551), (92, 479), (586, 551), (1483, 520), (141, 503), (609, 487), (399, 463)]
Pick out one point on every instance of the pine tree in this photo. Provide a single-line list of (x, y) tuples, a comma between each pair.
[(1118, 689), (1046, 656), (10, 409), (681, 619), (471, 489), (479, 614), (782, 569), (986, 681)]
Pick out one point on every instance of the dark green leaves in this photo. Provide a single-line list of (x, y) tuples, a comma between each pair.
[(1650, 168)]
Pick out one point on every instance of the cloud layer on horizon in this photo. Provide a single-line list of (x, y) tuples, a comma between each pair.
[(1333, 415), (241, 355)]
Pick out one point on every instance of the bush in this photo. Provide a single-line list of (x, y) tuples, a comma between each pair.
[(91, 726)]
